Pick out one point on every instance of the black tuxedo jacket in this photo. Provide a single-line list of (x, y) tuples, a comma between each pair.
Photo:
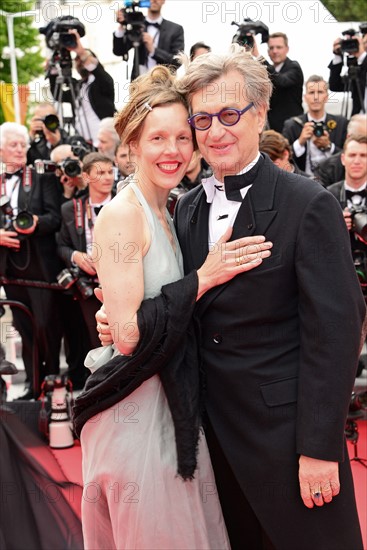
[(171, 41), (292, 130), (280, 345), (286, 99), (70, 238), (337, 84), (38, 250), (330, 170)]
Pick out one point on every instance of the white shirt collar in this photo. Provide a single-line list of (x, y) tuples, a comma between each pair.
[(310, 119), (361, 188), (159, 20)]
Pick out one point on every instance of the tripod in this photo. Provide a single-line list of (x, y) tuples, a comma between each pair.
[(65, 91), (352, 435), (351, 81)]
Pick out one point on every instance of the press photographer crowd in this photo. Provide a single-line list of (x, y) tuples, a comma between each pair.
[(61, 170)]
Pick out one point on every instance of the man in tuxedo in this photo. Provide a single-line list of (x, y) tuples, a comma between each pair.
[(75, 241), (331, 170), (351, 191), (280, 343), (160, 40), (287, 78), (316, 135), (356, 79), (30, 253)]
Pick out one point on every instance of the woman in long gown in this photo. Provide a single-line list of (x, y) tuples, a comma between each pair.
[(133, 497)]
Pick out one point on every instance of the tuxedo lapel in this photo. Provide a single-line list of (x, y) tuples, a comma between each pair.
[(197, 224), (254, 217), (256, 212)]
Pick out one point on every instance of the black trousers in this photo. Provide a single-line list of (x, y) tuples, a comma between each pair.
[(76, 339), (43, 304), (244, 529), (89, 308)]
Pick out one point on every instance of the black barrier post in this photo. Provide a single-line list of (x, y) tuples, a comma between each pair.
[(36, 378)]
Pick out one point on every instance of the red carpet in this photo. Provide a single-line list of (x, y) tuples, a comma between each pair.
[(58, 473), (70, 462), (360, 476)]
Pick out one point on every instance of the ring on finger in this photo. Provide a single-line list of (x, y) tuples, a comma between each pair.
[(318, 492)]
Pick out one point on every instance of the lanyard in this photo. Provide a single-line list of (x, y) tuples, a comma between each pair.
[(26, 182)]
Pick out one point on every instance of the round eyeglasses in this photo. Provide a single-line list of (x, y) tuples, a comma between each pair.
[(227, 116)]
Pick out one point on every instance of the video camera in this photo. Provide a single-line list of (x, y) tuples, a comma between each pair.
[(59, 39), (57, 35), (21, 222), (84, 284), (134, 23), (247, 30), (350, 45)]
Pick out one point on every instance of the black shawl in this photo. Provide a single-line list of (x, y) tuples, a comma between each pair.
[(168, 346)]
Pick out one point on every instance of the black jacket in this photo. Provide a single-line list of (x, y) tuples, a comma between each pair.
[(330, 170), (286, 99), (38, 250), (171, 41), (355, 85), (101, 92)]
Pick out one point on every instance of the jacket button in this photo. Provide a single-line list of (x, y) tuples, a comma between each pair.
[(217, 338), (250, 226)]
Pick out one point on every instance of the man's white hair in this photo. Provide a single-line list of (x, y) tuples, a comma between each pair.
[(10, 129)]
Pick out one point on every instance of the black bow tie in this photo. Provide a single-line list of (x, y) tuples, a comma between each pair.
[(18, 173), (97, 209), (156, 25), (233, 184)]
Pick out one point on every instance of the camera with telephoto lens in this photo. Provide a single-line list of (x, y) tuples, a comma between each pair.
[(74, 276), (247, 30), (51, 122), (134, 21), (359, 220), (70, 167), (57, 425), (360, 264), (21, 222)]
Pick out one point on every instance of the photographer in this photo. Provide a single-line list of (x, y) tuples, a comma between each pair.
[(75, 240), (355, 80), (287, 78), (95, 91), (68, 172), (45, 133), (157, 40), (351, 192), (315, 135), (29, 219)]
